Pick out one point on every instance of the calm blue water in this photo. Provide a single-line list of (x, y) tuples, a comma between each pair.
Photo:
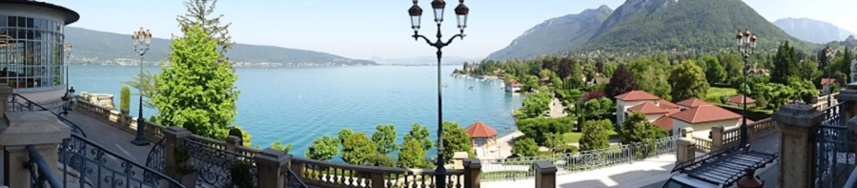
[(297, 105)]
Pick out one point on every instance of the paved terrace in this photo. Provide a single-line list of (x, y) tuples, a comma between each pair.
[(110, 137)]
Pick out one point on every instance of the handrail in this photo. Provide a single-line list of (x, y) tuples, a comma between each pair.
[(44, 170), (74, 126), (100, 153)]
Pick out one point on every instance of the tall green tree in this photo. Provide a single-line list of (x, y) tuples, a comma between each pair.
[(536, 104), (714, 71), (323, 148), (195, 88), (785, 64), (357, 148), (554, 142), (688, 81), (525, 146), (200, 14), (412, 155), (636, 129), (595, 135), (420, 134), (651, 76), (385, 138), (455, 139), (622, 81)]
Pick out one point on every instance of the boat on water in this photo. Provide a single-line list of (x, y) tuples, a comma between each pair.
[(470, 88)]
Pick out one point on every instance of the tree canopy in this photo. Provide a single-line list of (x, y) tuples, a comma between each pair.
[(688, 81), (525, 146), (385, 138), (412, 155), (420, 134), (357, 148), (323, 148), (622, 81), (595, 135), (455, 139)]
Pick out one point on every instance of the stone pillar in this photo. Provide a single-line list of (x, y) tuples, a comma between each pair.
[(232, 143), (472, 169), (686, 150), (458, 159), (270, 164), (545, 174), (174, 137), (686, 132), (40, 129), (716, 138), (848, 98), (797, 159)]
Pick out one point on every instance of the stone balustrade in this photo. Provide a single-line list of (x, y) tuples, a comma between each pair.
[(726, 138), (125, 122)]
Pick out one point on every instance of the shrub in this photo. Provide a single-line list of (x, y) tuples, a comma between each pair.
[(125, 99)]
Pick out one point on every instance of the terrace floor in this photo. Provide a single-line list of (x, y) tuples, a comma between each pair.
[(110, 137)]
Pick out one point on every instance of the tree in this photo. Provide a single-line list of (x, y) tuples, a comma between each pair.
[(420, 134), (279, 146), (378, 159), (199, 14), (714, 71), (145, 84), (525, 146), (636, 129), (554, 142), (385, 138), (412, 154), (323, 148), (688, 81), (196, 88), (536, 104), (595, 135), (655, 81), (539, 128), (344, 133), (622, 81), (785, 64), (455, 139), (357, 148), (124, 99)]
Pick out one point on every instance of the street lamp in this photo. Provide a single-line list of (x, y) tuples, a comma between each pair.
[(747, 46), (69, 93), (141, 39), (461, 12)]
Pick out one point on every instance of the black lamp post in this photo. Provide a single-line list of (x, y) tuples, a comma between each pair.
[(461, 15), (747, 46), (141, 39), (828, 57), (69, 93)]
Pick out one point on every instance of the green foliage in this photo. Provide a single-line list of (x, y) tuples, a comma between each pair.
[(688, 81), (525, 146), (385, 138), (323, 148), (357, 148), (714, 71), (420, 134), (125, 99), (377, 159), (455, 139), (636, 129), (279, 146), (245, 136), (554, 142), (196, 88), (538, 128), (144, 83), (412, 154), (651, 76), (199, 15), (535, 105), (595, 135), (622, 81), (241, 173), (785, 65), (183, 166), (344, 133)]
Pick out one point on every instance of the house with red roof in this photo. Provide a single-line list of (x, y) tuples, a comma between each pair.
[(482, 135), (738, 100), (514, 86), (702, 118), (635, 98)]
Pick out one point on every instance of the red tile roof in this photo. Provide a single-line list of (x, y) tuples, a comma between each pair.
[(665, 123), (705, 113), (637, 95), (647, 108), (828, 81), (480, 130), (737, 99), (693, 103), (665, 104)]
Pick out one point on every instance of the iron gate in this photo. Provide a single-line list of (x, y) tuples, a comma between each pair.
[(834, 149)]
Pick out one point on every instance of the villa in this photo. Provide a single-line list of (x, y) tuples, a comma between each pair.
[(693, 112), (514, 86), (738, 100)]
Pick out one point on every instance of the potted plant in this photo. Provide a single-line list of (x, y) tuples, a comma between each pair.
[(124, 100), (184, 170)]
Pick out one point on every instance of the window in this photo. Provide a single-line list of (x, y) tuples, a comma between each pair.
[(32, 54)]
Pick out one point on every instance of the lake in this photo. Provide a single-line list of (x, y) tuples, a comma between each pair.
[(297, 105)]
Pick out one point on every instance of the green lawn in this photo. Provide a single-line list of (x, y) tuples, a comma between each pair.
[(716, 93), (574, 137)]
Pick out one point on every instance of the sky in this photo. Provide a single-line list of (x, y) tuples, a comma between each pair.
[(360, 29)]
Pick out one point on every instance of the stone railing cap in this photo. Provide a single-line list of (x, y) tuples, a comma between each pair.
[(232, 139), (545, 167), (847, 95), (29, 128), (798, 115), (473, 163), (273, 155), (686, 141), (178, 131)]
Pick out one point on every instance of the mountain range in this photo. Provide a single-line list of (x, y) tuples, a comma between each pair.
[(640, 26), (97, 47), (812, 30)]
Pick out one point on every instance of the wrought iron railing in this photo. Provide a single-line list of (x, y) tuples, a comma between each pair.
[(328, 174), (155, 158), (521, 167), (88, 164), (40, 172), (834, 147), (18, 103), (218, 167), (292, 179)]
